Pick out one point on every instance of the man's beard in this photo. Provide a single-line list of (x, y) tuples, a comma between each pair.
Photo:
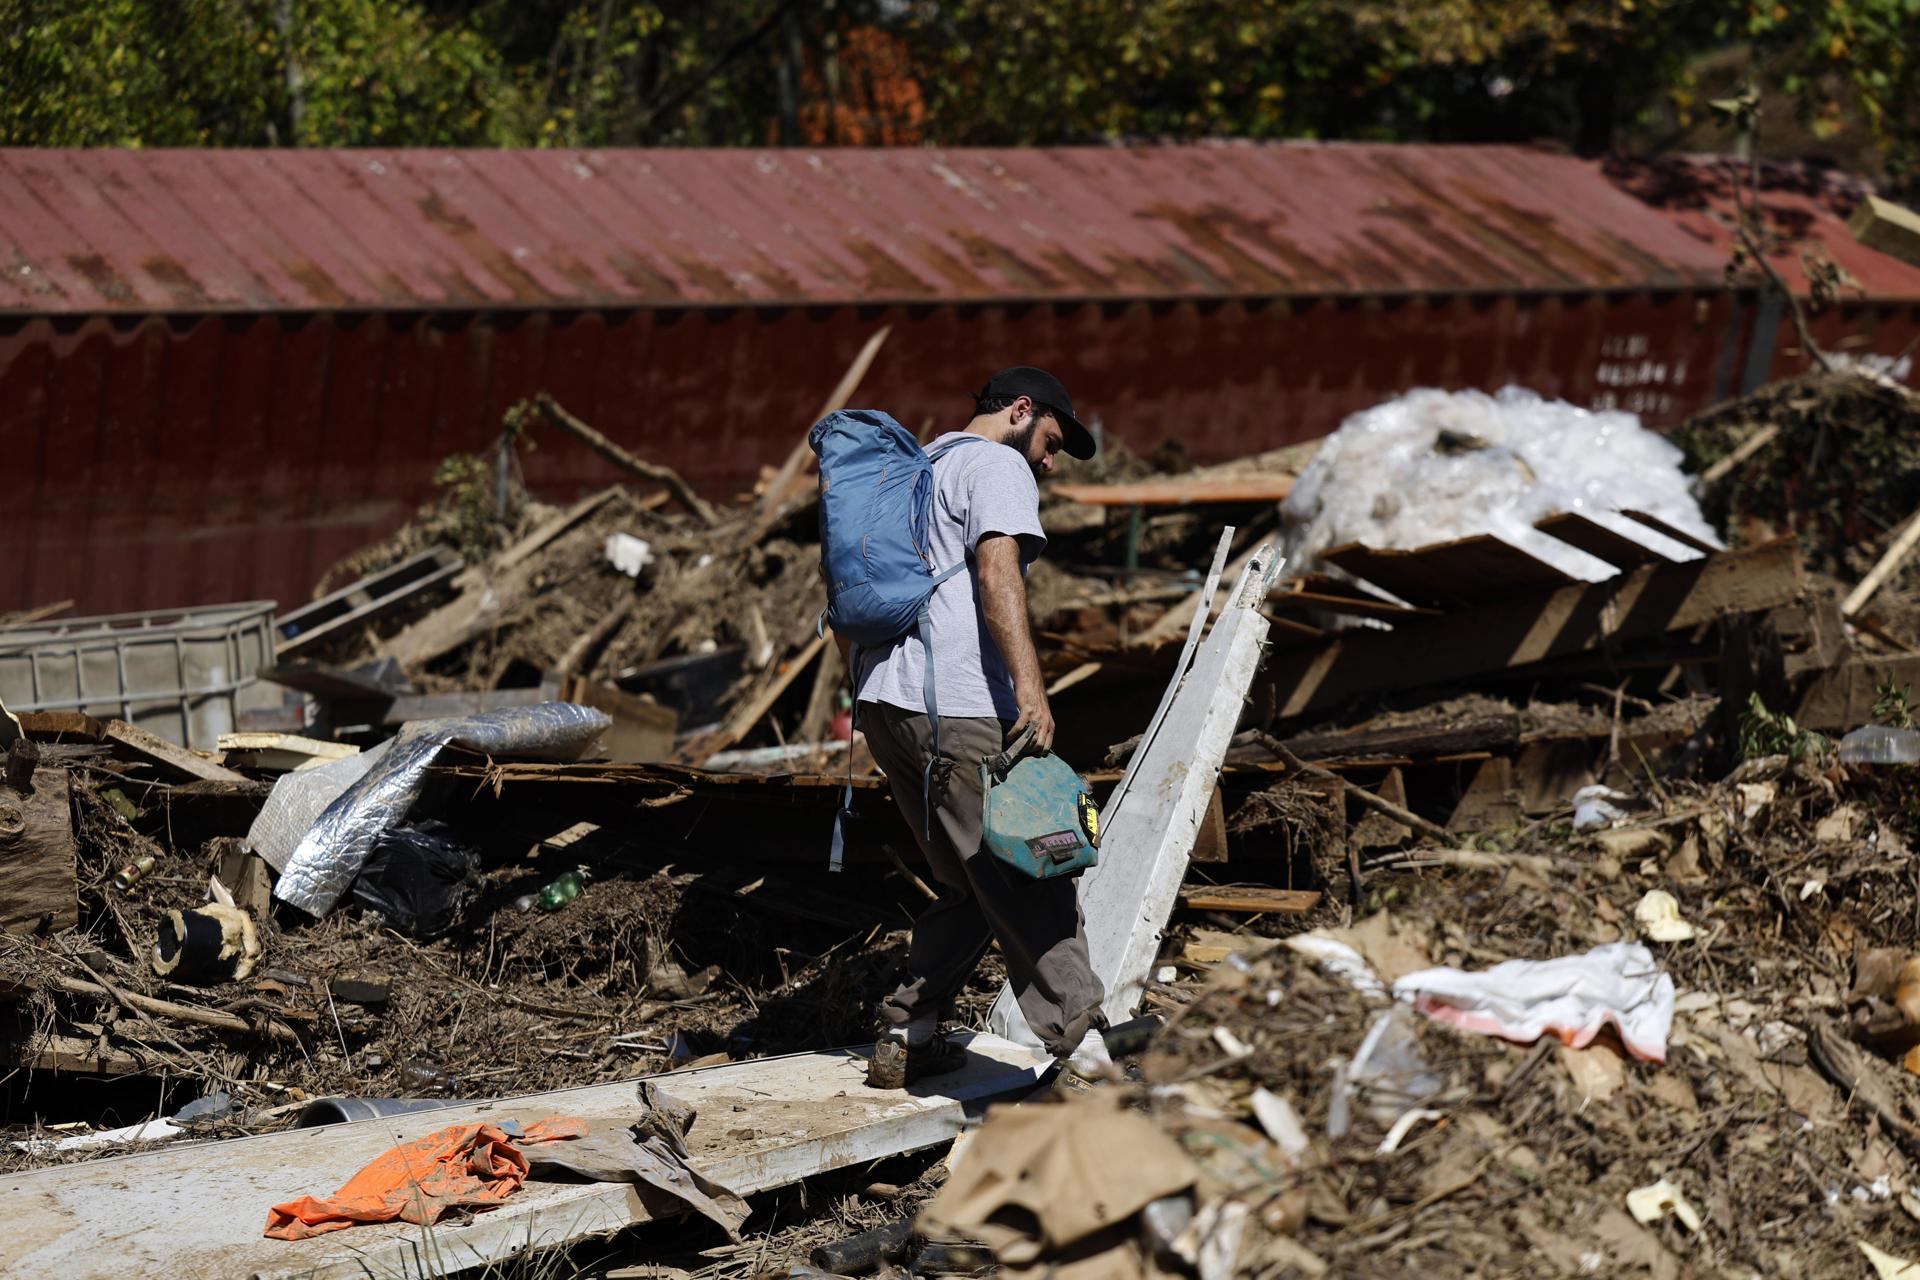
[(1021, 441)]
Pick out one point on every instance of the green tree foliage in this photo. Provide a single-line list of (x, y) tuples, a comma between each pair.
[(130, 73), (951, 72)]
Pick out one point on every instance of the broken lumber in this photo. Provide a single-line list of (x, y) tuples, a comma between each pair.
[(60, 726), (1173, 621), (366, 599), (1891, 228), (281, 752), (642, 729), (37, 856), (552, 411), (782, 489), (1249, 900), (762, 1125), (1178, 491), (1841, 698), (1754, 443), (742, 721), (1505, 634), (155, 749), (1379, 804), (1896, 555), (1439, 738), (1149, 832)]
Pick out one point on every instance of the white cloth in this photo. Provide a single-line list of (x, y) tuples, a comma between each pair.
[(1572, 997), (978, 489)]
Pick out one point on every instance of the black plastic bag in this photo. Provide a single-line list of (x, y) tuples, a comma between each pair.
[(419, 878)]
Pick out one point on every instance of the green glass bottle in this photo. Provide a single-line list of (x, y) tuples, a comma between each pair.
[(563, 889)]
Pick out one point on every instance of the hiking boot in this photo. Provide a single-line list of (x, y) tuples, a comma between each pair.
[(896, 1064)]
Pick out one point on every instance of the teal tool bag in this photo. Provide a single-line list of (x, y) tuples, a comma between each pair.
[(1038, 817)]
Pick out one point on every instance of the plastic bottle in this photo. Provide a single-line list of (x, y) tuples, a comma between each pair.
[(1877, 744), (563, 889)]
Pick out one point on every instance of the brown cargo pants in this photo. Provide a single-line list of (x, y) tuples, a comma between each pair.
[(1037, 922)]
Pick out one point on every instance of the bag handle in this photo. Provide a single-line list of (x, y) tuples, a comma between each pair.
[(1019, 749)]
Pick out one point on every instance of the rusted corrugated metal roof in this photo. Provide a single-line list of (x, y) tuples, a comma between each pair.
[(139, 231), (1804, 206)]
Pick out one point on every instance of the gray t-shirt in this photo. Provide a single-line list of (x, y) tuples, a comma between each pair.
[(978, 488)]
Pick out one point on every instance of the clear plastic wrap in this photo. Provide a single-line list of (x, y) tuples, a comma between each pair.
[(336, 846), (1432, 465)]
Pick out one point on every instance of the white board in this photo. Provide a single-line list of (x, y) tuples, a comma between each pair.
[(198, 1209), (1128, 897)]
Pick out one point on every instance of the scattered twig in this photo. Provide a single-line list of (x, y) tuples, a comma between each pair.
[(1753, 444), (1405, 817), (559, 417)]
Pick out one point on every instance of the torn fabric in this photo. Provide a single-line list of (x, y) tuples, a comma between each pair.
[(463, 1165), (1572, 997), (651, 1153)]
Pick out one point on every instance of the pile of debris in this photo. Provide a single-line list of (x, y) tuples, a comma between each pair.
[(557, 818)]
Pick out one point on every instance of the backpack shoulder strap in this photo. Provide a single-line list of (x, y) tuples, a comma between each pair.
[(934, 455)]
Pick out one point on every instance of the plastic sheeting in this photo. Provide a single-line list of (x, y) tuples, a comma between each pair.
[(336, 846), (1431, 465)]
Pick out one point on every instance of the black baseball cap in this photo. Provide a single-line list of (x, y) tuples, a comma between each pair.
[(1045, 390)]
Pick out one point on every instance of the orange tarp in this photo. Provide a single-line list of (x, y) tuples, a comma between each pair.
[(459, 1166)]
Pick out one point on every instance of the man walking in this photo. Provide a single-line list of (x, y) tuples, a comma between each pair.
[(986, 512)]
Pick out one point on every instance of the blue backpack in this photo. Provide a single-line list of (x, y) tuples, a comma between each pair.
[(876, 510)]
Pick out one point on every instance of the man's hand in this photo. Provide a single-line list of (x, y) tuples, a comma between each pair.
[(1034, 711), (1003, 601)]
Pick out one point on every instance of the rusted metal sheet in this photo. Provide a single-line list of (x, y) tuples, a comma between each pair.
[(93, 232), (1874, 319), (159, 462), (222, 371)]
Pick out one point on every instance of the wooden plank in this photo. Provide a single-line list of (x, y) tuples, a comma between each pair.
[(1893, 229), (1377, 830), (1626, 544), (1351, 605), (1248, 899), (1462, 571), (280, 752), (1289, 634), (1644, 602), (365, 599), (37, 868), (1888, 563), (1431, 738), (22, 1044), (1210, 842), (549, 529), (1149, 833), (1681, 536), (642, 729), (1547, 773), (1177, 491), (199, 1210), (325, 680), (1841, 699), (743, 720), (1196, 607), (168, 755), (60, 726), (1489, 801)]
